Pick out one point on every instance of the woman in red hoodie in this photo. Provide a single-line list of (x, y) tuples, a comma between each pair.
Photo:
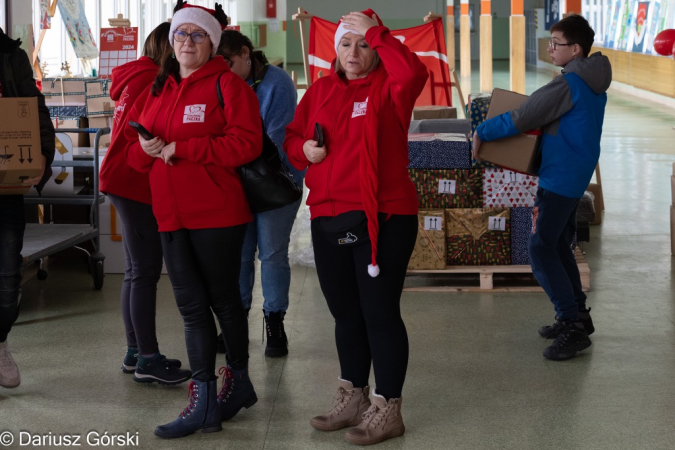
[(129, 192), (360, 192), (199, 203)]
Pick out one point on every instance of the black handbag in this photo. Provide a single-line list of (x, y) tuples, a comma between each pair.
[(267, 183)]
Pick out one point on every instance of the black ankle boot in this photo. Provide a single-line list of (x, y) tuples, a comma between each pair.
[(237, 392), (572, 339), (585, 317), (552, 331), (200, 414), (277, 343)]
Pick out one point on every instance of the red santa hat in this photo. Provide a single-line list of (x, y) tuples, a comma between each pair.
[(209, 20), (341, 30)]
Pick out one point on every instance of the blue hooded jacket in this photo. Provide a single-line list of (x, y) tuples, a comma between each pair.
[(570, 111)]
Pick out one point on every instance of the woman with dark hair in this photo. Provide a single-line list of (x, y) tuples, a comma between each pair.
[(270, 231), (129, 192), (200, 206), (364, 216)]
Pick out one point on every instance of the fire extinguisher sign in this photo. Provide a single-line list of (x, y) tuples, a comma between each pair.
[(271, 9), (118, 46)]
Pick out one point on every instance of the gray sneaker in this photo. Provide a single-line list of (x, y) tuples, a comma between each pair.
[(9, 373)]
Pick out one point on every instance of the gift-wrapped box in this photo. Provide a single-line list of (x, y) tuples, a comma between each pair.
[(478, 236), (429, 252), (478, 108), (505, 188), (417, 177), (451, 188), (521, 229), (438, 151)]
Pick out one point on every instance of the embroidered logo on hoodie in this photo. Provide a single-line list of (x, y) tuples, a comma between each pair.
[(121, 105), (360, 108), (194, 114)]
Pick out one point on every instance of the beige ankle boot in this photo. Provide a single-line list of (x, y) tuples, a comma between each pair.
[(382, 421), (9, 373), (348, 406)]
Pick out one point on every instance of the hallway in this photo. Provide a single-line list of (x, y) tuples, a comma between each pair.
[(476, 379)]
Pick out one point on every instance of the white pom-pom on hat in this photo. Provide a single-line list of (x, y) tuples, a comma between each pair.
[(373, 270)]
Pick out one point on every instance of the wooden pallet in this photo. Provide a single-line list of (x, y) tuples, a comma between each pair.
[(509, 278)]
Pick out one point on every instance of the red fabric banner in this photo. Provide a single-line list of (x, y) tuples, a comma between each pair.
[(427, 41)]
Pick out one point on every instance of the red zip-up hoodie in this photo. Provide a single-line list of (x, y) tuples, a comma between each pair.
[(202, 188), (340, 106), (128, 83)]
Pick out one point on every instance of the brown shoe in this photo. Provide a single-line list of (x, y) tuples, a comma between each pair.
[(382, 421), (348, 406), (9, 373)]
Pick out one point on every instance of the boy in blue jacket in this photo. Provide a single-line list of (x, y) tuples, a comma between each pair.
[(570, 110)]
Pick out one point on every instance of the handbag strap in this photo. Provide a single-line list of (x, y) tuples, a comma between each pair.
[(219, 91)]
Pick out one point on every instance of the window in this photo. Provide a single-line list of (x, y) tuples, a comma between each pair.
[(3, 14), (144, 14)]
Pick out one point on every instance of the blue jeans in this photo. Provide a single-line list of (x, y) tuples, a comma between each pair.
[(12, 227), (270, 232), (553, 263)]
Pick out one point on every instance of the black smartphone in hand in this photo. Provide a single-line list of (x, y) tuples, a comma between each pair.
[(318, 135), (141, 130)]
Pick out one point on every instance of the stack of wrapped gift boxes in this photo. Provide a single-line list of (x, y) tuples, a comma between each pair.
[(470, 213)]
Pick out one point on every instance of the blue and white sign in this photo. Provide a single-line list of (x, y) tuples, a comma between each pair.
[(551, 13)]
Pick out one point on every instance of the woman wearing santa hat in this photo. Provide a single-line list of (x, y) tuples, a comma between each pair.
[(364, 215), (199, 203)]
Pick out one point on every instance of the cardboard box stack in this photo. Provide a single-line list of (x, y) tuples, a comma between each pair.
[(65, 98), (20, 149), (100, 108)]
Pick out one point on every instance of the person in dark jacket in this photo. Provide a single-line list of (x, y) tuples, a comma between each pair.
[(570, 110), (129, 192), (16, 80)]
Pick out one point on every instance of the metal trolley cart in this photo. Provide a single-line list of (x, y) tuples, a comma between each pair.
[(41, 240)]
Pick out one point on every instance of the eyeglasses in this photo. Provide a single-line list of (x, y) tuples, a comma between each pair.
[(555, 45), (197, 37)]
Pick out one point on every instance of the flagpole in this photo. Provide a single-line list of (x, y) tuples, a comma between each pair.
[(465, 40), (300, 17), (485, 46), (517, 51)]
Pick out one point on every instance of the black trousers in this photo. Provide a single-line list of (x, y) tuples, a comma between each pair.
[(142, 269), (12, 226), (203, 266), (368, 323)]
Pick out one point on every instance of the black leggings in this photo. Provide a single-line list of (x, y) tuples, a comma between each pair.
[(203, 266), (142, 269), (368, 323)]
